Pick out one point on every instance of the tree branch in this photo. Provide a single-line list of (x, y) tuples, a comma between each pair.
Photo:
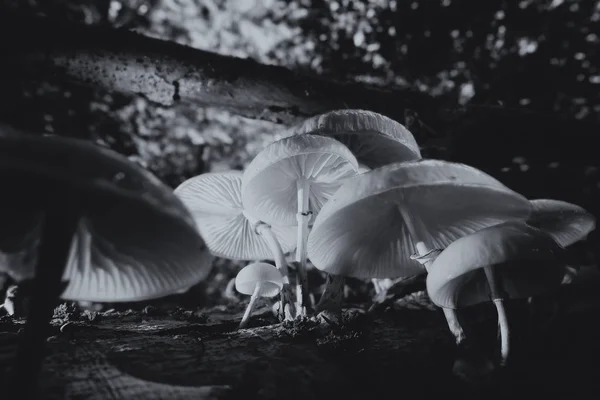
[(168, 73)]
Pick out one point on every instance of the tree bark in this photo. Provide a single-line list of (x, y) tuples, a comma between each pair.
[(131, 355), (167, 73)]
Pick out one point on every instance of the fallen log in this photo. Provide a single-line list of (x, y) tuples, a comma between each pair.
[(168, 73)]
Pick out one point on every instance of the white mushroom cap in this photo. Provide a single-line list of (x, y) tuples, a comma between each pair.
[(135, 240), (567, 223), (374, 139), (269, 184), (361, 232), (267, 275), (215, 201), (528, 263)]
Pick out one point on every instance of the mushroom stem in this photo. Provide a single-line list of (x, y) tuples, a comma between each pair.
[(303, 218), (58, 229), (376, 286), (504, 331), (265, 231), (422, 250), (286, 306), (250, 307), (454, 325), (331, 299), (426, 258), (502, 318)]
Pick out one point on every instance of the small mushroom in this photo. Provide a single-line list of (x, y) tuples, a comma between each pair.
[(567, 223), (288, 182), (374, 139), (215, 201), (257, 280), (506, 261), (88, 224), (376, 220)]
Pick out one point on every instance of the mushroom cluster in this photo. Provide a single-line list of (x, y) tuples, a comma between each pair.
[(366, 205), (354, 190), (250, 215), (347, 190)]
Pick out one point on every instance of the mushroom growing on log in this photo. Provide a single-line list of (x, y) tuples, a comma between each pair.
[(257, 280), (375, 140), (288, 182), (505, 261), (215, 201), (376, 220)]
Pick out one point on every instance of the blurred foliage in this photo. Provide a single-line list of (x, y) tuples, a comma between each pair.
[(496, 52), (537, 55)]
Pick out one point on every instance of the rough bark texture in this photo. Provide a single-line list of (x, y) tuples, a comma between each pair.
[(398, 353), (170, 74)]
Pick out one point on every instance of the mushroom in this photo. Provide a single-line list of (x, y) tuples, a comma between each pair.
[(376, 220), (567, 223), (258, 279), (288, 182), (87, 224), (374, 139), (506, 261), (215, 201)]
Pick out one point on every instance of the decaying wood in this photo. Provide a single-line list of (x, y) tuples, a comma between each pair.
[(168, 73), (399, 353)]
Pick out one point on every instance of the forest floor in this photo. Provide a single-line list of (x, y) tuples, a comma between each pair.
[(394, 352)]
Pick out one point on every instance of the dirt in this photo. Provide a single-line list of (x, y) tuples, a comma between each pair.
[(398, 351)]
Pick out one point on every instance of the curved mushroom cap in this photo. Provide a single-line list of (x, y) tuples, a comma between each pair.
[(135, 240), (528, 262), (361, 232), (215, 201), (375, 139), (269, 184), (267, 275), (567, 223)]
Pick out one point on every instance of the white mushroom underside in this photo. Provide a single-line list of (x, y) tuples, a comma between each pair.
[(516, 279), (372, 240), (214, 200), (527, 262), (126, 269), (567, 223), (361, 232), (103, 271), (273, 196), (144, 242)]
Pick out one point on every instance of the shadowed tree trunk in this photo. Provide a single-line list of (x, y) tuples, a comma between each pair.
[(167, 73)]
